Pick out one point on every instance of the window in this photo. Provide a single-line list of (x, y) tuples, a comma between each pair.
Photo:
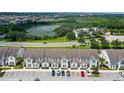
[(29, 60), (11, 63), (122, 61), (73, 65), (55, 65), (64, 61), (45, 65), (36, 65), (93, 61), (29, 65), (121, 66), (11, 58), (64, 66), (113, 66), (84, 65)]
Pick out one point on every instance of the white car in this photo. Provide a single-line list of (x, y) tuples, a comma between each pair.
[(88, 73)]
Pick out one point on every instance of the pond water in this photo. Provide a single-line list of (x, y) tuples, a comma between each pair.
[(42, 30)]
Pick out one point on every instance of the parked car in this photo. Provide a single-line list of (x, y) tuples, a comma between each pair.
[(53, 73), (122, 74), (68, 73), (62, 73), (88, 72), (82, 74), (58, 73)]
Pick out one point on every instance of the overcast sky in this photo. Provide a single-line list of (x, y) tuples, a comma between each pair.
[(62, 5)]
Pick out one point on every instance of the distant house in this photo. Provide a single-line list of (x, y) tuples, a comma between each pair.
[(2, 35), (89, 31), (111, 38)]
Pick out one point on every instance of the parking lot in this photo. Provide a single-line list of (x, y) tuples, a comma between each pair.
[(46, 76)]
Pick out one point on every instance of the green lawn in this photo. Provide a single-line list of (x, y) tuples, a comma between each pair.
[(95, 75), (69, 47), (1, 39), (61, 39), (5, 68), (2, 74)]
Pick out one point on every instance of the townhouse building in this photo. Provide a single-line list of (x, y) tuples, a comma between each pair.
[(114, 58), (61, 58), (8, 55)]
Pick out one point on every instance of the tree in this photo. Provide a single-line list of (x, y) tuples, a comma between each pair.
[(105, 44), (70, 36), (45, 37), (73, 46), (95, 70), (62, 31), (0, 69), (81, 37), (18, 28), (94, 44), (16, 36), (117, 44)]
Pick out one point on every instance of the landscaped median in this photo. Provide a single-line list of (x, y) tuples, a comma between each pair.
[(5, 68), (2, 73)]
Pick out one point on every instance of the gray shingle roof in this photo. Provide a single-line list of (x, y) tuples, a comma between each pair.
[(115, 55), (12, 51), (3, 51), (59, 53)]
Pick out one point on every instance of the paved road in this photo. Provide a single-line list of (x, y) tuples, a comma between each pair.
[(38, 44), (46, 76)]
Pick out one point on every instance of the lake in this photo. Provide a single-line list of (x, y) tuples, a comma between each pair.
[(42, 30)]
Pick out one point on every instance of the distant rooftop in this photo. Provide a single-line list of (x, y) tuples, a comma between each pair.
[(111, 38)]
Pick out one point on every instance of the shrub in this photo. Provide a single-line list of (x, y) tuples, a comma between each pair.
[(37, 79), (73, 46)]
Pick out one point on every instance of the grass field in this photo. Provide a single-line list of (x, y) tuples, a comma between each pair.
[(5, 68), (56, 40), (69, 47)]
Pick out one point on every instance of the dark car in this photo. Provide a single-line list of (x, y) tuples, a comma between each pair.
[(53, 73), (62, 73), (121, 73), (82, 74), (58, 73), (68, 73)]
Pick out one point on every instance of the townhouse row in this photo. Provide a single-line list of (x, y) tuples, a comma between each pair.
[(44, 58), (61, 58)]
